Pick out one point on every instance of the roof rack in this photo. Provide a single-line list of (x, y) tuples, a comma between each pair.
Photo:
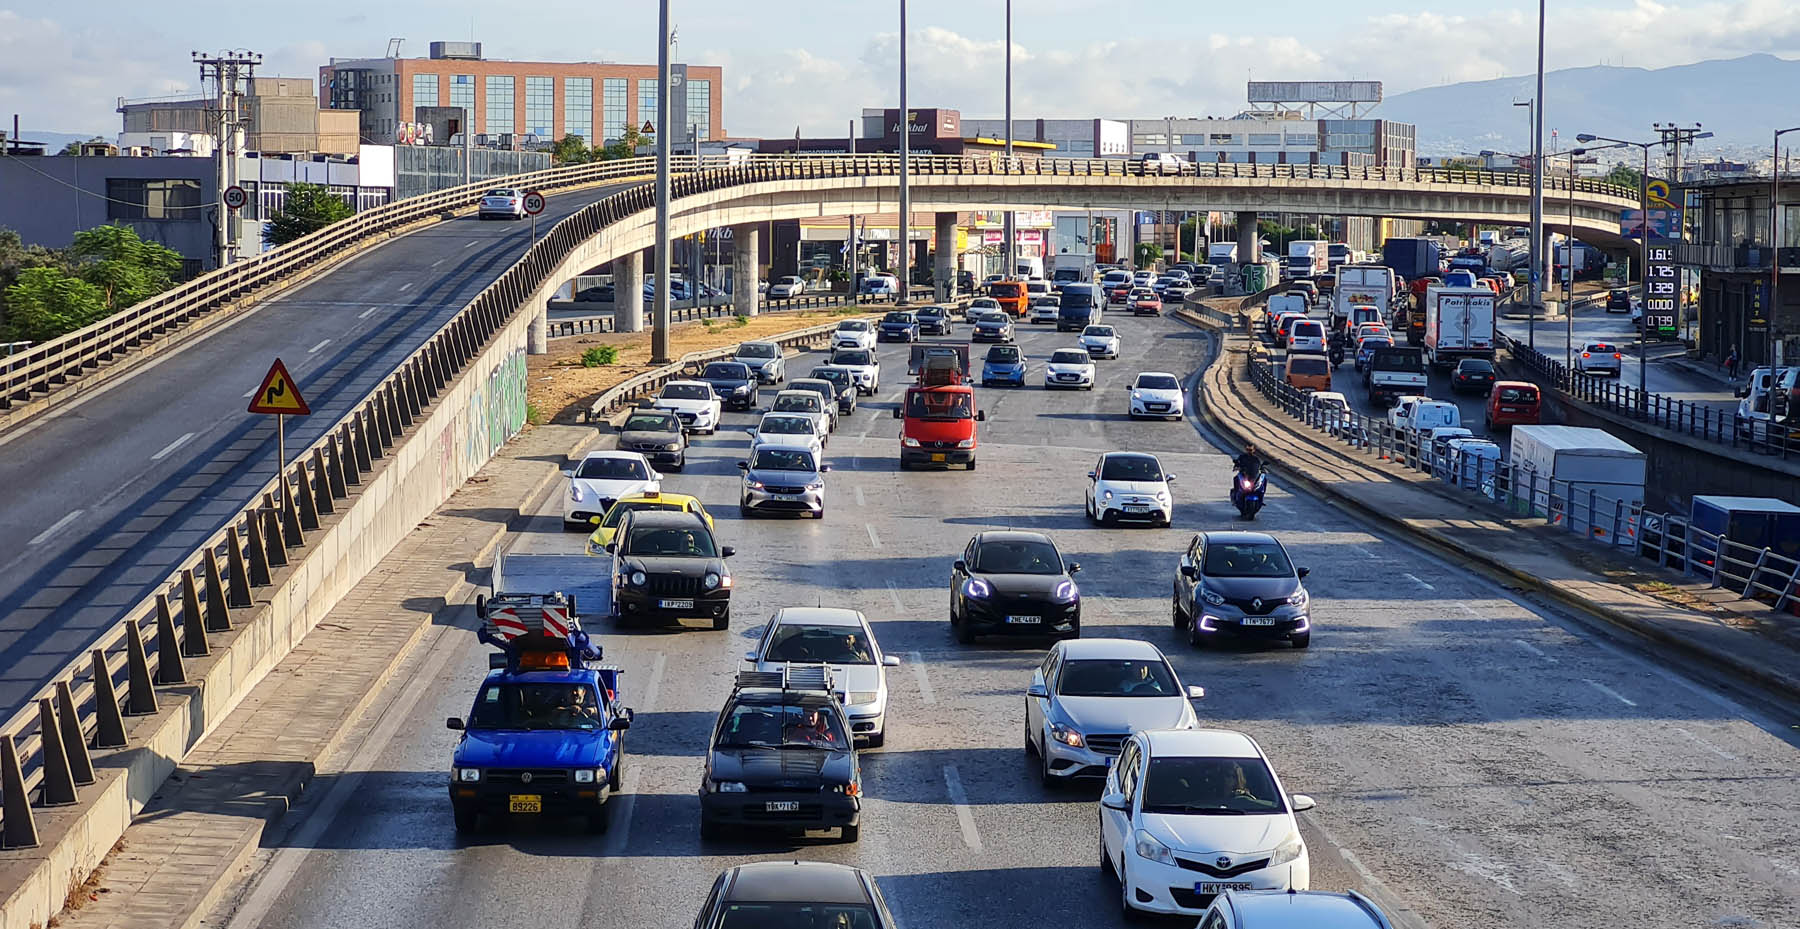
[(812, 678)]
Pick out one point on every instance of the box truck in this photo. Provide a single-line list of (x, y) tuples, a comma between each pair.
[(1586, 479), (1306, 258), (1459, 323)]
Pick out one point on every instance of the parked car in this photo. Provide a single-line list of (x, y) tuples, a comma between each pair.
[(787, 288)]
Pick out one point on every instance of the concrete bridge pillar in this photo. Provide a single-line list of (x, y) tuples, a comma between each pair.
[(628, 293), (743, 268), (537, 340), (944, 270), (1249, 237)]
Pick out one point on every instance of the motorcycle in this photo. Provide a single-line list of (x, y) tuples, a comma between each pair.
[(1247, 493), (1336, 355)]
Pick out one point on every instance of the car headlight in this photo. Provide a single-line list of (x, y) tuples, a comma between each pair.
[(1286, 851), (1162, 496), (711, 581), (1066, 735), (1067, 591), (638, 578), (729, 787), (853, 789), (966, 443), (742, 389), (816, 485), (753, 485), (977, 588), (1150, 848), (584, 775), (468, 775), (595, 548), (1211, 597), (909, 442), (1106, 495), (670, 446), (859, 697), (1299, 598)]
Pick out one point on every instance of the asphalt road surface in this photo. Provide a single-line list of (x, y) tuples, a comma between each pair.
[(1477, 762), (103, 498)]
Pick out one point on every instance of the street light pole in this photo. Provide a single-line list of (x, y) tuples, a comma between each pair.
[(659, 333), (1774, 307), (1537, 216), (1012, 249), (905, 262)]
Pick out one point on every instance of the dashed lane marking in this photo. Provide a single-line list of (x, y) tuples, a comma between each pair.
[(365, 313), (172, 446), (1415, 579), (874, 539), (58, 526), (918, 666), (965, 819), (406, 286), (1534, 650), (894, 595), (1609, 692), (859, 497), (318, 346)]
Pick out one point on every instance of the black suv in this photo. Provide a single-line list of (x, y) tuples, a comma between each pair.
[(784, 894), (781, 756), (666, 565), (733, 381), (1014, 583)]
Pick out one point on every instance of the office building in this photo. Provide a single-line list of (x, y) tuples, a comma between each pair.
[(280, 115)]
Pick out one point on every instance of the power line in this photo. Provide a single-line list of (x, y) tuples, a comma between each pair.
[(97, 196)]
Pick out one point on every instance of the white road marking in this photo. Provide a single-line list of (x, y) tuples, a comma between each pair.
[(918, 666), (1416, 580), (406, 286), (44, 536), (365, 313), (1396, 909), (437, 262), (1609, 691), (648, 701), (1706, 745), (894, 594), (859, 498), (171, 447), (1366, 553), (318, 346), (1534, 650), (472, 244), (874, 539), (964, 817)]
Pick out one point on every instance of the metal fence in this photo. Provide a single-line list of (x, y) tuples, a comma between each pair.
[(1753, 573)]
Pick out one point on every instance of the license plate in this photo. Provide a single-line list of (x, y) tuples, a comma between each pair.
[(1219, 887), (1137, 508), (1259, 620), (525, 803), (676, 604), (1025, 620), (785, 497), (781, 806), (937, 456)]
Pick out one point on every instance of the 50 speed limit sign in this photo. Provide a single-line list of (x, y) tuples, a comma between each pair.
[(534, 202), (235, 197)]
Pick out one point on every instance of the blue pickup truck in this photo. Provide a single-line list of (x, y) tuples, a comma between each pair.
[(546, 734)]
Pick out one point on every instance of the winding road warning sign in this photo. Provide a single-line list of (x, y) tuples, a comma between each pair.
[(279, 394)]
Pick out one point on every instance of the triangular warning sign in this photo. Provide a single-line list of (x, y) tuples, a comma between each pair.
[(279, 394), (648, 129)]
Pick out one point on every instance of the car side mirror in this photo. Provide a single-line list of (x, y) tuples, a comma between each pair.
[(454, 722), (1168, 478), (1301, 802), (1302, 572), (1195, 692), (743, 466), (568, 473), (981, 416), (897, 413), (890, 661), (1093, 476), (1116, 802), (960, 565), (727, 552), (1074, 567), (749, 656), (824, 468), (1039, 691), (1190, 572), (612, 547), (619, 723)]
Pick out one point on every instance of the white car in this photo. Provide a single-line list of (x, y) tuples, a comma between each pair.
[(854, 333), (843, 640), (1044, 311), (1100, 341), (1069, 367), (805, 403), (503, 202), (1306, 335), (1423, 414), (865, 367), (599, 478), (1301, 909), (1090, 694), (1142, 279), (1130, 486), (1188, 814), (788, 429), (982, 303), (787, 288), (765, 358), (1156, 393), (1600, 358), (693, 402)]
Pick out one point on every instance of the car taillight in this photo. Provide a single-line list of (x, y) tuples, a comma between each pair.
[(1585, 355), (1617, 355)]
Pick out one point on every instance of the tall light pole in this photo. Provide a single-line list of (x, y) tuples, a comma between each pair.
[(1012, 248), (659, 333), (1537, 186), (1774, 308), (850, 242), (1644, 249), (905, 172)]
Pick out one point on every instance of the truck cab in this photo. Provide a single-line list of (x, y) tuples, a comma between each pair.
[(1011, 296), (938, 413)]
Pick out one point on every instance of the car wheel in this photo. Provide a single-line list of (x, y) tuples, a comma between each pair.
[(1109, 518), (1195, 637), (1127, 912), (819, 515), (1045, 779), (964, 633), (852, 833), (878, 740), (1176, 617), (1302, 640), (722, 623), (905, 465), (1074, 629), (709, 830), (467, 819), (745, 512), (971, 464), (613, 777), (1031, 748), (598, 820)]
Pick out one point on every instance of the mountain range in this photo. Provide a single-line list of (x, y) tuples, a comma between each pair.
[(1740, 100)]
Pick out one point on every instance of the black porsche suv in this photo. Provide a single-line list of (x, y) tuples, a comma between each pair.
[(781, 757), (666, 565)]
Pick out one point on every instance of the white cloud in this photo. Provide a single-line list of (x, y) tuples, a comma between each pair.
[(59, 79)]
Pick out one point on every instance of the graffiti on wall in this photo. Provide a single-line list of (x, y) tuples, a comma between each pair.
[(496, 410)]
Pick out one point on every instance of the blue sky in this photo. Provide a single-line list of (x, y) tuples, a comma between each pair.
[(814, 65)]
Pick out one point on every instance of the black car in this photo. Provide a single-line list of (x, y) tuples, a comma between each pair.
[(1473, 375), (1014, 583), (781, 757), (844, 381), (934, 320), (1240, 584), (791, 894), (899, 325), (733, 381), (1618, 301), (666, 565), (658, 435)]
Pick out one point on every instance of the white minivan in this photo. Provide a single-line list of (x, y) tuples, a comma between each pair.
[(1306, 335), (1422, 414)]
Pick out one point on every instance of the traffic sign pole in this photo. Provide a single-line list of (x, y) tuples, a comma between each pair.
[(280, 460), (280, 397), (533, 201)]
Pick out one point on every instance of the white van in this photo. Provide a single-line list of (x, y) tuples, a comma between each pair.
[(1423, 413), (1306, 335), (1162, 163)]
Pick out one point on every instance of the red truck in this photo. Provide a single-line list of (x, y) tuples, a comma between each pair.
[(938, 413)]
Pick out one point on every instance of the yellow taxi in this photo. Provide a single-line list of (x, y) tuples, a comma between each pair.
[(649, 500)]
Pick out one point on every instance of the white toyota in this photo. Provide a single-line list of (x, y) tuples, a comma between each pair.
[(842, 639), (599, 478), (692, 402), (1156, 393)]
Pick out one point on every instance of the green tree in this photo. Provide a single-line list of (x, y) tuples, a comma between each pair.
[(1625, 176), (571, 150), (74, 148), (1148, 254), (46, 302), (309, 208), (625, 146), (127, 269)]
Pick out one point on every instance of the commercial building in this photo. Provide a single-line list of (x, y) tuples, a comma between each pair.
[(1731, 248), (280, 115), (516, 104), (1072, 138)]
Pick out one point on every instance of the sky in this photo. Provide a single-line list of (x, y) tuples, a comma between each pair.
[(814, 66)]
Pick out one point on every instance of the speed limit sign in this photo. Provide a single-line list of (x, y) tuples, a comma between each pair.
[(235, 197), (534, 202)]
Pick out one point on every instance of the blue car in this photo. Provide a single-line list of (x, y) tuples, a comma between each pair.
[(546, 736), (1004, 364), (899, 325), (1367, 351)]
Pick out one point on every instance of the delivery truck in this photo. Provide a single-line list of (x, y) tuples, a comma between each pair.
[(1306, 258), (1586, 479), (1459, 323)]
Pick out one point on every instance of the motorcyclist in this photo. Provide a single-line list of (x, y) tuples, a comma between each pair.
[(1249, 463)]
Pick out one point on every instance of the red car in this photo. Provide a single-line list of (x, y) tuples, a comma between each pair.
[(1145, 303), (1120, 293), (1513, 403)]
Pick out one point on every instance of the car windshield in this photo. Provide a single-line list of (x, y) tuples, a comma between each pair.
[(1018, 556), (1210, 786), (790, 280), (836, 376), (502, 193), (992, 319), (548, 705), (1309, 366), (785, 425), (931, 312), (1004, 289), (1600, 347), (940, 405), (897, 318), (618, 510), (805, 403), (1117, 677), (782, 459), (1475, 366), (1307, 327), (1064, 356), (833, 644), (1329, 403), (775, 725), (756, 350), (1130, 468), (1518, 394), (853, 325), (1407, 359), (982, 303), (726, 371), (1143, 295), (1372, 343), (855, 357), (1104, 332), (669, 540), (798, 916), (1005, 354), (651, 422), (1246, 559), (1157, 382), (686, 392), (613, 469)]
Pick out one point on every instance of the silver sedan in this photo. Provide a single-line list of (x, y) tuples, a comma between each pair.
[(1089, 695)]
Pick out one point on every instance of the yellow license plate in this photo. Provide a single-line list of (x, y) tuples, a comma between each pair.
[(937, 457), (525, 803)]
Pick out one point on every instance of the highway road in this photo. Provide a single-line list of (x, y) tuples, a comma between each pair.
[(1478, 761), (104, 497)]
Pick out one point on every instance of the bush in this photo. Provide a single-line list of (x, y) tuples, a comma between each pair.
[(740, 320), (600, 355), (534, 414)]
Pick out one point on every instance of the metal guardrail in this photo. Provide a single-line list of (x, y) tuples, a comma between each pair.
[(52, 365), (603, 322), (1752, 572)]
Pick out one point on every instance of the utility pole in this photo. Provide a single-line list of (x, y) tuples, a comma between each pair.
[(1012, 248), (659, 333), (1772, 312), (905, 264), (850, 243), (226, 70), (1537, 190)]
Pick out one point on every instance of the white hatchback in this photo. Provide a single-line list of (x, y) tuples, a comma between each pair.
[(854, 333), (693, 402), (1156, 393), (1600, 358), (1069, 367), (1188, 814), (600, 478), (1130, 486), (1100, 341)]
